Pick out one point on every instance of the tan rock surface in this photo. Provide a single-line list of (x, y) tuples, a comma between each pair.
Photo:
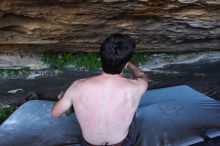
[(167, 25)]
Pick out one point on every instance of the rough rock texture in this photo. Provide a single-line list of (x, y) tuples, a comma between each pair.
[(17, 61), (167, 25)]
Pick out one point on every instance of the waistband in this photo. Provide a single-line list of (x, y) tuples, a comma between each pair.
[(117, 144)]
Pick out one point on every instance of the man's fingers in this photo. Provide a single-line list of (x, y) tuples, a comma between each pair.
[(60, 95)]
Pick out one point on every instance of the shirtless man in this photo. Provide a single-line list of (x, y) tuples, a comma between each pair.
[(105, 104)]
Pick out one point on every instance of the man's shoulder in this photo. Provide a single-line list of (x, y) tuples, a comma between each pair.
[(81, 82), (77, 83), (139, 83)]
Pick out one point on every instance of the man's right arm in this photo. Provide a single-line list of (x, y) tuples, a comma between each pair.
[(138, 74), (65, 101)]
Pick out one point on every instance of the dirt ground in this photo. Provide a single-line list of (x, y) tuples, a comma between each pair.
[(203, 76)]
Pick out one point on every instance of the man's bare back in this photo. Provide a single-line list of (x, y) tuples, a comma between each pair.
[(105, 104)]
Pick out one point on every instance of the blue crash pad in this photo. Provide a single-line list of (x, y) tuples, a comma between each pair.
[(169, 116)]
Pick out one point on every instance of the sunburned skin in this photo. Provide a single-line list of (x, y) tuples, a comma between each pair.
[(104, 106)]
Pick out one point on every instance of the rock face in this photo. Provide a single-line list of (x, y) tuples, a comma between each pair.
[(70, 25)]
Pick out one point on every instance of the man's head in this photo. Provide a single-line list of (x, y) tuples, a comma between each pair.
[(115, 53)]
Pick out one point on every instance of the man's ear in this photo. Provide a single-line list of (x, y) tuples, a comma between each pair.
[(126, 66)]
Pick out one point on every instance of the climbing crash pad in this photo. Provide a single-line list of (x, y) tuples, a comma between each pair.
[(169, 116)]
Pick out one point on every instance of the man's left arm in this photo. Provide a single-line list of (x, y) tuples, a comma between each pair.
[(64, 103)]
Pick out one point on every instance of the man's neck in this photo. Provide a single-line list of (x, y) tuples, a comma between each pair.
[(112, 75)]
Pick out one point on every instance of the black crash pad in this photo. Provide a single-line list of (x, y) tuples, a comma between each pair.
[(169, 116)]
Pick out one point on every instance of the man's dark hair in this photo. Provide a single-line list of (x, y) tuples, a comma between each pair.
[(116, 51)]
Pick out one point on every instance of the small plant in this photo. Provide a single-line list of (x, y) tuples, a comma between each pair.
[(88, 61), (57, 60), (140, 58), (5, 112), (82, 60), (5, 73)]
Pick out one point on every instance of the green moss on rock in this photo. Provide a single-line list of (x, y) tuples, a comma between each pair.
[(82, 60), (5, 112)]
